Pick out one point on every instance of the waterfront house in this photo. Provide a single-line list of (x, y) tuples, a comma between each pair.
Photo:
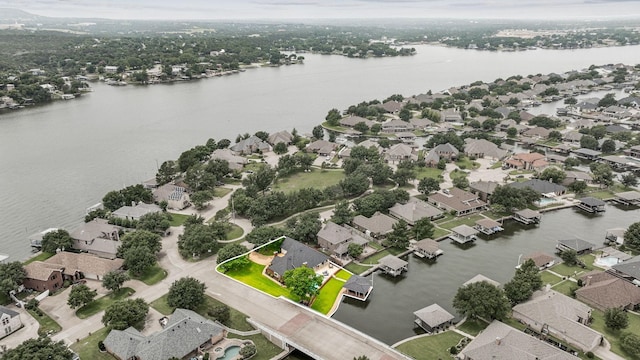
[(9, 321), (250, 145), (542, 260), (97, 237), (433, 318), (527, 216), (483, 189), (76, 266), (573, 176), (392, 265), (42, 276), (283, 136), (544, 187), (451, 115), (628, 198), (457, 200), (578, 245), (392, 106), (186, 335), (336, 239), (400, 152), (587, 154), (629, 270), (463, 234), (633, 151), (136, 211), (621, 162), (501, 341), (175, 196), (377, 226), (358, 287), (603, 290), (427, 248), (352, 121), (235, 162), (396, 126), (488, 226), (406, 137), (481, 148), (537, 132), (415, 210), (591, 204), (572, 136), (446, 151), (321, 147), (292, 255), (558, 315)]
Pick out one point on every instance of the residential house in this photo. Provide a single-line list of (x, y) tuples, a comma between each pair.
[(484, 189), (634, 151), (562, 149), (578, 245), (42, 276), (235, 162), (421, 124), (392, 107), (630, 101), (175, 196), (501, 341), (572, 137), (396, 125), (527, 161), (336, 239), (110, 69), (457, 200), (321, 147), (427, 248), (558, 315), (9, 321), (400, 152), (406, 137), (616, 112), (136, 211), (97, 237), (573, 176), (542, 260), (280, 137), (544, 187), (442, 151), (358, 287), (414, 210), (351, 121), (629, 270), (537, 133), (451, 115), (504, 125), (250, 145), (186, 335), (76, 266), (603, 291), (392, 265), (377, 226), (587, 153), (433, 318), (292, 255), (583, 123), (480, 148)]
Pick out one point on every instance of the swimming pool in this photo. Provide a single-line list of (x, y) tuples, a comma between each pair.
[(546, 201), (230, 353), (607, 261)]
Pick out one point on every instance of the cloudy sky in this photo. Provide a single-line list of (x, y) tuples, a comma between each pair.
[(304, 9)]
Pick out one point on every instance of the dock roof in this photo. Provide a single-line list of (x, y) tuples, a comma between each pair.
[(428, 245), (433, 315), (487, 223), (393, 262), (359, 284), (464, 230), (576, 244), (528, 213), (592, 202), (629, 195)]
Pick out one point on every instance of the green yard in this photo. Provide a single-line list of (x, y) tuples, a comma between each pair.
[(252, 276), (356, 268), (47, 324), (102, 303), (466, 163), (317, 179), (87, 348), (434, 347), (327, 297), (152, 276), (42, 256), (464, 220), (266, 349), (234, 232), (549, 278), (178, 219), (343, 274), (438, 232), (427, 172), (611, 335), (373, 259), (566, 270), (221, 191), (473, 326), (564, 287)]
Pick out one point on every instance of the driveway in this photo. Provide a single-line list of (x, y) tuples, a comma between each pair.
[(28, 331)]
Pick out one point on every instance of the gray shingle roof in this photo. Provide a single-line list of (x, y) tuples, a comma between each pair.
[(591, 201), (576, 244), (540, 186), (296, 254), (4, 310), (630, 268), (392, 262), (434, 315), (358, 284)]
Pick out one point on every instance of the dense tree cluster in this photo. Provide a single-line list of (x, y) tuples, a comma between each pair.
[(186, 293), (125, 313), (513, 198), (525, 281), (483, 300)]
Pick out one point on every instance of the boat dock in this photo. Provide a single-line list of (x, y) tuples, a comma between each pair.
[(527, 216), (591, 204)]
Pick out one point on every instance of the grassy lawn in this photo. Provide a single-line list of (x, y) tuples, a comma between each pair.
[(466, 163), (520, 172), (178, 219), (457, 174), (375, 245), (102, 303), (47, 324), (497, 165), (87, 348), (566, 270), (266, 349), (611, 335), (473, 326), (427, 172), (221, 191), (447, 216), (152, 276), (549, 278), (42, 256), (386, 186), (565, 287), (328, 294), (373, 259), (234, 233), (237, 319), (603, 195), (434, 347), (317, 179), (342, 274), (357, 269), (438, 233), (466, 220), (252, 276), (495, 215)]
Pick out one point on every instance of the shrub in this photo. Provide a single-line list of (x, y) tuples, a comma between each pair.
[(248, 351), (221, 313), (453, 350), (589, 354), (206, 356), (32, 304), (101, 346)]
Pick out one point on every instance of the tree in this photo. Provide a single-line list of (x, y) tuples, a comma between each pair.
[(402, 176), (221, 313), (57, 239), (361, 357), (248, 351), (333, 117), (399, 237), (555, 135), (514, 198), (571, 162), (602, 174), (578, 187), (608, 146), (354, 250), (318, 132), (423, 229), (361, 126), (512, 132), (525, 281), (632, 236), (588, 142), (280, 148), (157, 223), (11, 276), (616, 319), (553, 174), (80, 296), (305, 227), (167, 172), (629, 180), (608, 100), (113, 280), (570, 257), (200, 199), (259, 180), (199, 239), (630, 343), (355, 184), (303, 282), (342, 213), (483, 300), (428, 185), (186, 293), (41, 348), (263, 234), (125, 313), (461, 182), (139, 238), (138, 259), (230, 251)]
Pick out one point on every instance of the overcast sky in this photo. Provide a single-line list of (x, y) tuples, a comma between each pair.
[(305, 9)]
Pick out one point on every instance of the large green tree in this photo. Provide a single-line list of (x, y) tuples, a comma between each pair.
[(41, 348), (632, 236), (423, 229), (342, 214), (263, 234), (305, 227), (483, 300), (230, 251), (80, 296), (260, 180), (525, 281), (602, 174), (57, 239), (11, 276), (553, 174), (428, 185), (139, 259), (303, 282), (198, 240), (630, 343), (138, 238), (125, 313), (399, 237), (514, 198), (113, 280), (616, 319), (186, 293), (156, 222)]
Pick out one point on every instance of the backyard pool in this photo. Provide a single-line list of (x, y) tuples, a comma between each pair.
[(607, 261), (546, 201), (230, 353)]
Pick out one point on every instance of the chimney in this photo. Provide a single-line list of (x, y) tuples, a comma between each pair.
[(498, 341), (588, 280), (133, 203)]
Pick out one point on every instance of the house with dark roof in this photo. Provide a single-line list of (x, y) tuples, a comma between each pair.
[(572, 136), (565, 318), (358, 287), (377, 226), (9, 321), (336, 239), (446, 151), (433, 318), (603, 290), (250, 145), (481, 148), (541, 186), (578, 245), (235, 162), (501, 341), (483, 189), (591, 204), (292, 255), (415, 210), (588, 154), (97, 237), (629, 270), (457, 200), (186, 335)]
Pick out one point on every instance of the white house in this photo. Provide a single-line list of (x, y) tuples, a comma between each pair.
[(9, 321)]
